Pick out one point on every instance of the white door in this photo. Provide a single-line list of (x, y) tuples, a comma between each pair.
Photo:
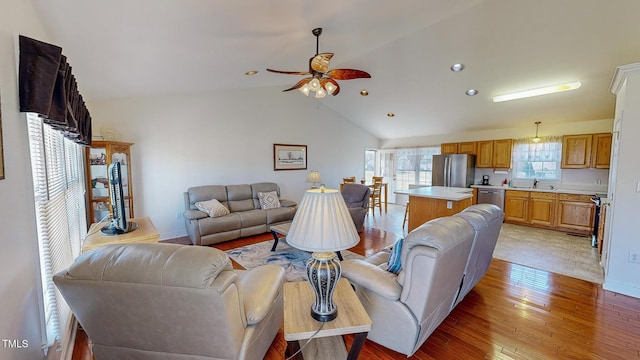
[(386, 166), (613, 172)]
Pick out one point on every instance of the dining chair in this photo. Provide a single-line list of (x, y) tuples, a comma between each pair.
[(375, 199), (377, 178), (349, 180)]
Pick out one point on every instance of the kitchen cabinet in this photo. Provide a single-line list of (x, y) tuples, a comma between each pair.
[(458, 148), (601, 153), (516, 206), (467, 148), (529, 207), (542, 208), (494, 154), (484, 157), (502, 153), (575, 213), (98, 158), (449, 148), (586, 151)]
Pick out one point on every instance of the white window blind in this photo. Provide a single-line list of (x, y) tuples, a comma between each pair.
[(539, 160), (58, 181)]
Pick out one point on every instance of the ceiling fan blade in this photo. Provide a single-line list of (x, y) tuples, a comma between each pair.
[(347, 74), (289, 72), (320, 62), (299, 84)]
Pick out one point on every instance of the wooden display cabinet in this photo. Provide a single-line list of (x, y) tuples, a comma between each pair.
[(576, 151), (449, 148), (485, 154), (516, 206), (601, 153), (98, 158)]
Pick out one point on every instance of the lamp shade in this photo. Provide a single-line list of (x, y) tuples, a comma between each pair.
[(314, 177), (322, 223)]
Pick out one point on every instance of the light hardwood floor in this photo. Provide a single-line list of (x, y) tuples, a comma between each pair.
[(515, 312)]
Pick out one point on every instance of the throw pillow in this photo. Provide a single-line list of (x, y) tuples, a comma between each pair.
[(212, 207), (269, 200), (393, 264)]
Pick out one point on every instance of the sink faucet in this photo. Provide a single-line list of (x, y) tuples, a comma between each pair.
[(551, 187), (535, 183)]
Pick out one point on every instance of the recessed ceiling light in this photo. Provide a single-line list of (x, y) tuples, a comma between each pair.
[(538, 92), (364, 92), (472, 92), (457, 67), (391, 114), (252, 72)]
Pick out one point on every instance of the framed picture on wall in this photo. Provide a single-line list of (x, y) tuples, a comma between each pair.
[(289, 157)]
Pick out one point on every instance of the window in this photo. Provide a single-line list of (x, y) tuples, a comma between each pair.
[(58, 181), (414, 166), (537, 160)]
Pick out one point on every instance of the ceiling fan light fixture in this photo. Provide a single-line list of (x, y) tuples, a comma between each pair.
[(320, 93), (537, 92), (314, 84), (330, 88), (305, 89)]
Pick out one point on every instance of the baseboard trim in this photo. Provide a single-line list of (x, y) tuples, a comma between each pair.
[(621, 288)]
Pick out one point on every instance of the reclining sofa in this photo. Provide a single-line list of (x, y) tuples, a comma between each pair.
[(169, 301), (242, 215), (440, 262)]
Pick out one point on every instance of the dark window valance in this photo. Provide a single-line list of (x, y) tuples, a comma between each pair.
[(48, 88)]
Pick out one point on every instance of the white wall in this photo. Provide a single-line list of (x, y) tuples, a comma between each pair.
[(623, 276), (20, 315), (226, 138)]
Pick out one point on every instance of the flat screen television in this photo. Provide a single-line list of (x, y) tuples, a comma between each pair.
[(119, 224)]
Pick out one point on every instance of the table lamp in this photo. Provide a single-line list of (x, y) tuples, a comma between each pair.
[(314, 177), (323, 225)]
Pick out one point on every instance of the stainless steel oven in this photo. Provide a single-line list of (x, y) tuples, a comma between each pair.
[(491, 196)]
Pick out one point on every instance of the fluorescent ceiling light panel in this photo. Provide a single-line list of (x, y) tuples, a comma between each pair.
[(538, 92)]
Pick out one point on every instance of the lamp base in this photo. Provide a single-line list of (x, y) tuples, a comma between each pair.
[(323, 272)]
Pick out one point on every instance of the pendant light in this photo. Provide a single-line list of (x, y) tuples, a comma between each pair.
[(536, 139)]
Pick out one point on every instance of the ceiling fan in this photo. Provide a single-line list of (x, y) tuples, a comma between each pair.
[(322, 80)]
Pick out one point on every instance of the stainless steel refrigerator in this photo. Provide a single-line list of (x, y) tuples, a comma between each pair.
[(453, 170)]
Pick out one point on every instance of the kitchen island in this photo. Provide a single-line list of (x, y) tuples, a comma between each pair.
[(431, 202)]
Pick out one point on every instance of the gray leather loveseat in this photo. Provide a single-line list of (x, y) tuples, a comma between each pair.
[(242, 213)]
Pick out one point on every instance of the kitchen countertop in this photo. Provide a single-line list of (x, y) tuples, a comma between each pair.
[(542, 189), (439, 192)]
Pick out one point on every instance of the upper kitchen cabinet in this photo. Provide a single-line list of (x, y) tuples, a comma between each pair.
[(494, 154), (467, 148), (586, 151), (458, 148), (449, 148), (502, 153), (601, 153)]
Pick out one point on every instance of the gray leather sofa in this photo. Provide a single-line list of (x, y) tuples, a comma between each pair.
[(438, 259), (169, 301), (246, 217)]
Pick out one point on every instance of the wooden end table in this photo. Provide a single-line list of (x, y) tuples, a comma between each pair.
[(328, 343), (145, 232)]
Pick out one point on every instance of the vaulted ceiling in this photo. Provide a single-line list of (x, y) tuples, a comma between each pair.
[(124, 48)]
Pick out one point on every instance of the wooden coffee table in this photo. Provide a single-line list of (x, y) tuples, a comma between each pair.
[(328, 343)]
